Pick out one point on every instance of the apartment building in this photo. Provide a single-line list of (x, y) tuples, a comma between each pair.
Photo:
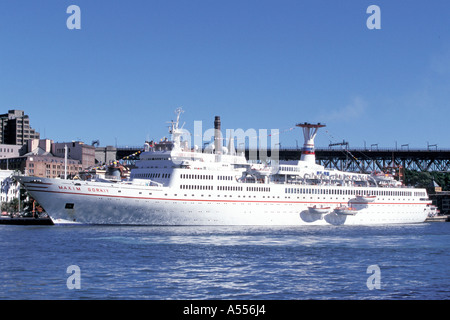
[(15, 128)]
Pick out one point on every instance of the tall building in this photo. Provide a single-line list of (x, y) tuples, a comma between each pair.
[(15, 128)]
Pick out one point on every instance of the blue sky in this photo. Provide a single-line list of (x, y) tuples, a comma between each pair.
[(261, 64)]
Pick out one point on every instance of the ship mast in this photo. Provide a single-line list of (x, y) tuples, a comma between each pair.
[(309, 134), (175, 131)]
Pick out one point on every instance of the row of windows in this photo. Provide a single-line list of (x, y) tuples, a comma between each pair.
[(260, 189), (196, 176), (229, 188), (351, 192), (152, 175), (204, 177), (200, 187), (195, 187), (286, 168)]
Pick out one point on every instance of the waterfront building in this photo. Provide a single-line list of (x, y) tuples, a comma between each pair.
[(11, 150), (9, 188), (42, 165), (105, 155), (441, 200), (76, 150), (39, 161)]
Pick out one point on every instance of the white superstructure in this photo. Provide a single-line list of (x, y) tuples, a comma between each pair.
[(176, 185)]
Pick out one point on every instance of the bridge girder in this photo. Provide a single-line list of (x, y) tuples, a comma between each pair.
[(357, 160)]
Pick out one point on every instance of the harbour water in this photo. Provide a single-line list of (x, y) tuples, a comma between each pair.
[(239, 263)]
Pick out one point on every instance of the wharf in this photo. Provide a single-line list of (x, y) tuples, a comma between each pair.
[(27, 221), (438, 218)]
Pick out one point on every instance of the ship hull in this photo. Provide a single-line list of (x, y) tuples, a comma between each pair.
[(118, 203)]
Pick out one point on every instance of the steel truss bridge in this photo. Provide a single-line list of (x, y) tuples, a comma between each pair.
[(355, 159), (366, 160)]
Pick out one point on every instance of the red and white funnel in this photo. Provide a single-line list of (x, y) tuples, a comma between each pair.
[(309, 133)]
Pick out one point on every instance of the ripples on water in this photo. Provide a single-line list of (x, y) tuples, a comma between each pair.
[(225, 262)]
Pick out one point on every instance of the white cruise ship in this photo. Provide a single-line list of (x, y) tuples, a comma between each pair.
[(176, 185)]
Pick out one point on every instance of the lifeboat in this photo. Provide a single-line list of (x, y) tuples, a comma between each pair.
[(344, 210), (363, 198), (319, 210), (381, 176)]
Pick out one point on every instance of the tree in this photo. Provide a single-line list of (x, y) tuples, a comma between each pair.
[(425, 179)]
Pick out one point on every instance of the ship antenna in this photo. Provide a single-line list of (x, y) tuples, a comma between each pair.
[(176, 133), (178, 112)]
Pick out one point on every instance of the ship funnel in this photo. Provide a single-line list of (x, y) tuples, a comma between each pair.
[(217, 135), (309, 134)]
